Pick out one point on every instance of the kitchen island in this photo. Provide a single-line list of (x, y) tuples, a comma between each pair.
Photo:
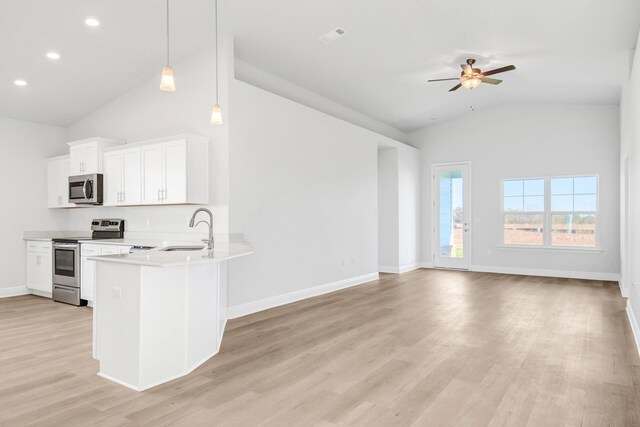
[(160, 314)]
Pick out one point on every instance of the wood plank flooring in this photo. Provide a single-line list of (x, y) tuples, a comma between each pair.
[(426, 348)]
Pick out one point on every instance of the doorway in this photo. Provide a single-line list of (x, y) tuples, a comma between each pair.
[(451, 215)]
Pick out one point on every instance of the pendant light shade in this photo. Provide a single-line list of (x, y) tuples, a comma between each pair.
[(166, 82), (216, 111), (216, 115)]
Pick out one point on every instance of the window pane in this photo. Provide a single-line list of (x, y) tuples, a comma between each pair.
[(534, 204), (561, 186), (573, 230), (561, 203), (534, 187), (513, 204), (523, 229), (513, 188), (584, 202), (586, 185)]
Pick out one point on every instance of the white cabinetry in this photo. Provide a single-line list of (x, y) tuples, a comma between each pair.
[(86, 155), (58, 182), (175, 171), (88, 268), (39, 268), (122, 177)]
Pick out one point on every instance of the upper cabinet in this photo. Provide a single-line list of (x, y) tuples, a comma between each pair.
[(175, 171), (122, 177), (58, 182), (86, 155)]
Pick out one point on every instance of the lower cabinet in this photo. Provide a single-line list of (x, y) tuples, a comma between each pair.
[(88, 267), (39, 268)]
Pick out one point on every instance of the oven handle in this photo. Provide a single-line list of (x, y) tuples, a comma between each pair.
[(65, 245), (84, 188)]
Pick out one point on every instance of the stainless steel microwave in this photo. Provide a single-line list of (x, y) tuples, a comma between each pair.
[(86, 189)]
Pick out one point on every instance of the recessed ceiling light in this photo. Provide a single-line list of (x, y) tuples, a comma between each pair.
[(92, 22), (20, 82), (53, 55)]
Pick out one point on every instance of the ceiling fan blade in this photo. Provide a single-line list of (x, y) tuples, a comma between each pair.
[(491, 81), (442, 80), (456, 87), (466, 68), (499, 70)]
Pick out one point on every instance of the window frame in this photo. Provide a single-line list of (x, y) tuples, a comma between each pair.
[(547, 214)]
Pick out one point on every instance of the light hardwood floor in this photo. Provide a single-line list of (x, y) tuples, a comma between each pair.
[(424, 348)]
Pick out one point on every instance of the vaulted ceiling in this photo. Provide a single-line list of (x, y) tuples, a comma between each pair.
[(570, 51)]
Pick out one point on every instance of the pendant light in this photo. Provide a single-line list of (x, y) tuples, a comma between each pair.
[(216, 111), (166, 81)]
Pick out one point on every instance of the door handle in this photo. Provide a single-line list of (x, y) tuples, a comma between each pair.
[(84, 188)]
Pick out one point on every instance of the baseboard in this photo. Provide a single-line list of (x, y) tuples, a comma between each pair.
[(409, 267), (624, 290), (635, 328), (397, 270), (271, 302), (14, 292), (587, 275)]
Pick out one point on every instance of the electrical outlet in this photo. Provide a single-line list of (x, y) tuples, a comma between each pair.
[(116, 292), (148, 221)]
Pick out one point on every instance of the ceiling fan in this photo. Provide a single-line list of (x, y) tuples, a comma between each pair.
[(471, 78)]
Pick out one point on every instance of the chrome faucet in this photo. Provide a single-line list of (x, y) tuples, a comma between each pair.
[(192, 224)]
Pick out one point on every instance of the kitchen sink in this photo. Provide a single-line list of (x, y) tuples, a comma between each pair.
[(181, 248)]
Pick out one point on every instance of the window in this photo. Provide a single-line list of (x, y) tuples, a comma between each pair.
[(523, 212), (574, 205), (557, 212)]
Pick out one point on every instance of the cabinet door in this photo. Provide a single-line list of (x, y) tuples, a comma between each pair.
[(112, 179), (175, 172), (76, 164), (63, 183), (131, 176), (88, 279), (39, 274), (46, 274), (152, 174), (90, 158)]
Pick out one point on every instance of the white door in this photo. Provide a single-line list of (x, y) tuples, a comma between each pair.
[(152, 174), (175, 190), (112, 179), (131, 177), (451, 216)]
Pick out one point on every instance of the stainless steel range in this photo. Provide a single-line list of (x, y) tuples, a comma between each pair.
[(66, 260)]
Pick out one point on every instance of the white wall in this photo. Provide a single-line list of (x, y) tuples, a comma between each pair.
[(24, 147), (529, 141), (388, 211), (146, 112), (409, 188), (630, 209), (304, 191)]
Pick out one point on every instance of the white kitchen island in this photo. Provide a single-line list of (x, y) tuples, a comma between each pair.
[(159, 315)]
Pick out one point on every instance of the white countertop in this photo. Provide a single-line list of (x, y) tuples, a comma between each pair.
[(154, 243), (156, 258)]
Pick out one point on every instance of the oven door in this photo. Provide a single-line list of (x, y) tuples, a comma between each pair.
[(66, 264)]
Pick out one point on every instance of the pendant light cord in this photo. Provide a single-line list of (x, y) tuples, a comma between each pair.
[(168, 32), (216, 19)]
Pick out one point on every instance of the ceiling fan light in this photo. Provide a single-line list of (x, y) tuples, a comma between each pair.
[(216, 115), (166, 82), (470, 83)]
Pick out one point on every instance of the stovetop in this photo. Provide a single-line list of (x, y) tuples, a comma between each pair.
[(109, 228)]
